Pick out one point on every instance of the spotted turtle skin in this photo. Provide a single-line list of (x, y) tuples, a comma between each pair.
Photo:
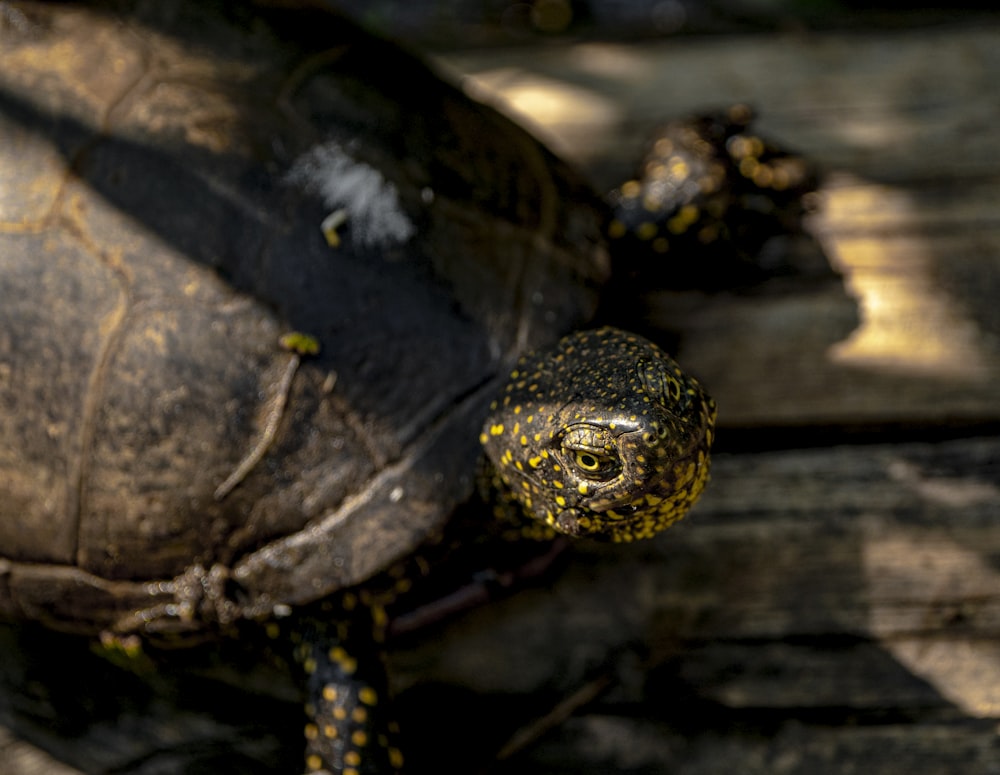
[(706, 198), (626, 458), (261, 278)]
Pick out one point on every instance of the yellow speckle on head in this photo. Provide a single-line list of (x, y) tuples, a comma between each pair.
[(313, 762), (345, 661), (763, 176), (677, 225), (646, 230), (582, 488), (560, 501), (367, 695), (689, 213), (496, 430), (329, 731), (748, 167), (359, 738), (656, 170), (339, 713), (780, 178), (330, 693), (631, 189)]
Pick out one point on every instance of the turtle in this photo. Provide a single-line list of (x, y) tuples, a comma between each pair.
[(277, 302)]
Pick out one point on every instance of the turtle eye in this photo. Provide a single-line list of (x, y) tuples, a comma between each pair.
[(590, 450), (597, 466)]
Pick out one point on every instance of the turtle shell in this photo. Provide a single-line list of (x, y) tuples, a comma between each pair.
[(183, 186)]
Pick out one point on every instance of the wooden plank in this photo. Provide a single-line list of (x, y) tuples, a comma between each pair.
[(825, 605), (796, 748), (885, 106), (21, 758)]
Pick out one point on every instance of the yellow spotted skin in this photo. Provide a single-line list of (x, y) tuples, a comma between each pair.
[(349, 728), (706, 197), (602, 436)]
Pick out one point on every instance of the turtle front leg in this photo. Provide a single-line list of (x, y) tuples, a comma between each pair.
[(349, 728)]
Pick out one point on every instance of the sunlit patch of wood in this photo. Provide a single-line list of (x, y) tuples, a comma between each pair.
[(909, 324), (573, 120), (922, 585)]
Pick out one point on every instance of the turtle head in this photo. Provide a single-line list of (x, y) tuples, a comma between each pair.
[(602, 436)]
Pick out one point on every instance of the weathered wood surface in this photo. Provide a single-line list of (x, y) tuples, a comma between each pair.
[(823, 607), (834, 604)]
